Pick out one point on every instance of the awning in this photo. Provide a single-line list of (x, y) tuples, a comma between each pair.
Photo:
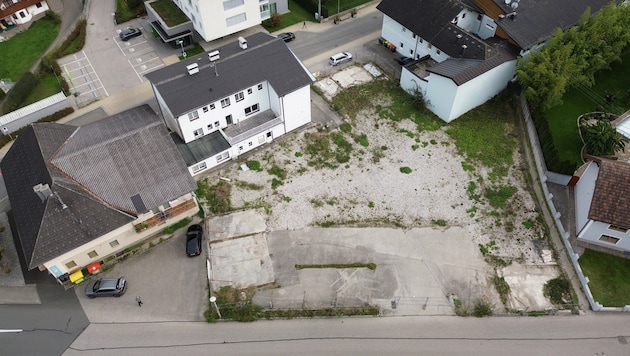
[(76, 277), (94, 267)]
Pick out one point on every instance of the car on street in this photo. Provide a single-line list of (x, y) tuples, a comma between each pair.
[(129, 33), (403, 61), (286, 36), (194, 237), (339, 58), (106, 287)]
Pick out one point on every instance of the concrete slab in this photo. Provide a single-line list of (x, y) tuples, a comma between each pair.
[(26, 294), (328, 87), (241, 262), (352, 76), (238, 224), (526, 283)]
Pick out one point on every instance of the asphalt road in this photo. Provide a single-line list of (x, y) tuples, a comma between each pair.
[(595, 334)]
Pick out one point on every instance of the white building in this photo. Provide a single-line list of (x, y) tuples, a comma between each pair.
[(18, 12), (214, 19), (467, 50), (227, 102)]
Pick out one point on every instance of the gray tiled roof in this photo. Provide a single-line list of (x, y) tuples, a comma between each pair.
[(463, 70), (90, 183), (266, 59), (537, 20)]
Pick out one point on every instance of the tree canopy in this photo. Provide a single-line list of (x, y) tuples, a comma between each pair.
[(573, 57)]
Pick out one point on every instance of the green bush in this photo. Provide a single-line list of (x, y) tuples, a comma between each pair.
[(178, 225), (405, 170), (19, 92), (254, 165)]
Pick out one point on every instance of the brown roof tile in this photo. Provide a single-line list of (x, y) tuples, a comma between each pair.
[(611, 199)]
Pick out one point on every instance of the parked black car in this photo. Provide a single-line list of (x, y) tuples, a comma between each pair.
[(194, 237), (129, 33), (286, 36), (106, 288)]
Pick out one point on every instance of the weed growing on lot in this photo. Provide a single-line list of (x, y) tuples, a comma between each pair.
[(558, 290), (216, 197), (254, 165), (234, 304), (499, 197), (362, 140), (370, 265), (278, 172), (405, 170), (490, 246), (248, 185), (502, 287), (275, 183), (345, 127)]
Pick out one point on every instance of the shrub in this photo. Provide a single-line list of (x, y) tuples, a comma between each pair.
[(405, 170), (20, 92), (254, 165), (178, 225), (558, 290)]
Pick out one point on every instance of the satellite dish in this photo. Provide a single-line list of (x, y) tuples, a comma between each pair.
[(514, 5), (507, 2)]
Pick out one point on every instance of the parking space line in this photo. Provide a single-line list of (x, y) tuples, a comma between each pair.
[(97, 77), (152, 69)]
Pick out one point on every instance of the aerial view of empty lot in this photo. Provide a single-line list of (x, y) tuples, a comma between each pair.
[(443, 211)]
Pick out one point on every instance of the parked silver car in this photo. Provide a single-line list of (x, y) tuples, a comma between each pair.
[(106, 288), (339, 58)]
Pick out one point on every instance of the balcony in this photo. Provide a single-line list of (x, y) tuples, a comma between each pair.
[(163, 216)]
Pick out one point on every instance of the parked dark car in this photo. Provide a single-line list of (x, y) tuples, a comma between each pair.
[(129, 33), (106, 288), (286, 36), (194, 237), (403, 61)]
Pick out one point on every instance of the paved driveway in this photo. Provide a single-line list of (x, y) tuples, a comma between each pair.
[(172, 287)]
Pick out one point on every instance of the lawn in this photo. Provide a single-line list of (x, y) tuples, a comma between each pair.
[(47, 85), (563, 118), (26, 47), (608, 276)]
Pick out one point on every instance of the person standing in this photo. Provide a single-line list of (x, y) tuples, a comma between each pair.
[(304, 24), (139, 301)]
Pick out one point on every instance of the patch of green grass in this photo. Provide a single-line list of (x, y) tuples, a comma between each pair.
[(499, 197), (197, 49), (608, 277), (278, 172), (485, 135), (345, 127), (295, 15), (490, 246), (468, 167), (254, 165), (275, 183), (362, 140), (47, 85), (558, 290), (358, 98), (414, 147), (502, 287), (298, 154), (439, 222), (216, 197), (317, 203), (178, 225), (26, 47), (326, 312), (528, 224), (370, 265), (371, 204), (169, 12), (405, 170), (234, 304), (248, 185)]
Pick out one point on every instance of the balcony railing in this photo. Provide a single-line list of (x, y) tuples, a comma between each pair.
[(163, 216)]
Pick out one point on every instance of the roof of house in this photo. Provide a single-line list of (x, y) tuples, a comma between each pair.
[(611, 198), (431, 20), (462, 70), (537, 20), (266, 58), (101, 175)]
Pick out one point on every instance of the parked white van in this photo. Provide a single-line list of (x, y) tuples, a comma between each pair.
[(340, 58)]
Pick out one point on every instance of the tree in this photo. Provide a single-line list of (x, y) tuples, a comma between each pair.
[(601, 139)]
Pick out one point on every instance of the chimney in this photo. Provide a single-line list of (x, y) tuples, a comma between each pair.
[(458, 38), (463, 50), (213, 56), (242, 43), (192, 68), (43, 191)]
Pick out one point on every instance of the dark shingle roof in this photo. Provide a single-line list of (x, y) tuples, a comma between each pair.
[(611, 198), (537, 20), (94, 165), (462, 70), (266, 59)]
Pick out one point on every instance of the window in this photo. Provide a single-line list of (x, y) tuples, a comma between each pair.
[(205, 109), (239, 96), (71, 264), (114, 243), (252, 109), (198, 132), (609, 239), (413, 36), (463, 15), (479, 17), (240, 148), (261, 139), (199, 167), (228, 119), (235, 20), (223, 156), (411, 52), (251, 143), (225, 102), (38, 5), (259, 86), (618, 228), (92, 254), (211, 106), (192, 116), (249, 91), (401, 45), (429, 46), (438, 52), (216, 124), (404, 29), (210, 127), (420, 40), (230, 4)]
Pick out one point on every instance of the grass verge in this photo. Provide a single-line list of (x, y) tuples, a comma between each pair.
[(608, 277)]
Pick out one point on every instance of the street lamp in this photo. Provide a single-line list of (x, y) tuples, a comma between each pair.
[(181, 43)]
